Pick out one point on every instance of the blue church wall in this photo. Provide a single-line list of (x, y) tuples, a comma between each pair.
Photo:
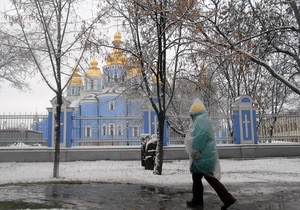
[(146, 120), (93, 83), (117, 109), (89, 108), (135, 107), (91, 111), (73, 90), (87, 126), (99, 84)]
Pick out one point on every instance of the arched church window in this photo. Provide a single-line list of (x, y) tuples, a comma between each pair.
[(116, 77), (72, 91), (103, 130), (88, 84), (120, 130), (111, 129), (88, 131), (92, 84), (111, 105), (79, 89), (135, 131), (95, 84)]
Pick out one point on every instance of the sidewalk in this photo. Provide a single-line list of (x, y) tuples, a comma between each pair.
[(250, 196), (262, 184)]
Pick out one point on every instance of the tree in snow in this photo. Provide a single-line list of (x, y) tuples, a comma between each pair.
[(156, 41), (261, 32), (53, 32), (15, 61)]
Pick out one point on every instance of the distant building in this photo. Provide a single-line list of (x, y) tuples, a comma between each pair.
[(104, 107)]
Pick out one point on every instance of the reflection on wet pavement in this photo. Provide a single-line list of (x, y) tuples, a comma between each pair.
[(129, 196)]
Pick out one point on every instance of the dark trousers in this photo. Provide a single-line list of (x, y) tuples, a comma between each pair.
[(214, 182)]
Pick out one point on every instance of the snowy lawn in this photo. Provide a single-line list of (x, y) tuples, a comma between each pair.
[(175, 173)]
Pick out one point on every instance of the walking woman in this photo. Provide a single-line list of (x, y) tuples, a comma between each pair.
[(204, 160)]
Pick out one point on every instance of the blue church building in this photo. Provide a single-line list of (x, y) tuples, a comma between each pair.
[(104, 107)]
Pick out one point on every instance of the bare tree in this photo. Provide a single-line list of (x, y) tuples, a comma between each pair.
[(261, 31), (156, 41), (15, 63), (53, 34)]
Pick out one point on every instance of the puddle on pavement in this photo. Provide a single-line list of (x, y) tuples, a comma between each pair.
[(124, 196)]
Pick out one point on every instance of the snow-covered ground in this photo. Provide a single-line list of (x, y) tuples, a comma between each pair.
[(175, 173)]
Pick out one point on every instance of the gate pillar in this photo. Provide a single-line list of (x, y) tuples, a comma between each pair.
[(65, 124), (244, 121)]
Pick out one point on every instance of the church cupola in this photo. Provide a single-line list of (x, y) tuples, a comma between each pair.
[(75, 84), (93, 77), (116, 63), (117, 39), (134, 73), (117, 56), (135, 69), (94, 71)]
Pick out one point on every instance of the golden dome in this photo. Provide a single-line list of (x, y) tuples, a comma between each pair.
[(117, 56), (76, 78), (117, 39), (132, 72), (117, 36), (94, 71), (134, 69)]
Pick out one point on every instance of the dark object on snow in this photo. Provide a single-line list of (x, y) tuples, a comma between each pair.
[(148, 151)]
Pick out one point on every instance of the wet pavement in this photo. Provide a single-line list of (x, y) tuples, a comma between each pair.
[(260, 196)]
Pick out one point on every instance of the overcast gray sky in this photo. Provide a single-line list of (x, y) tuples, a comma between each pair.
[(38, 99), (15, 101)]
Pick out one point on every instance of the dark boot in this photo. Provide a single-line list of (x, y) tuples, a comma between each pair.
[(194, 204), (231, 201)]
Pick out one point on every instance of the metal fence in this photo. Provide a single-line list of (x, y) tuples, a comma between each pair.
[(33, 129), (22, 130), (179, 125), (275, 128)]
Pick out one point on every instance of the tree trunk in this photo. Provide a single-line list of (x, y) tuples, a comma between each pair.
[(160, 145), (57, 136)]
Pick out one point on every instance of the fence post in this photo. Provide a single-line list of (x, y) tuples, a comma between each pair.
[(65, 124), (244, 121)]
